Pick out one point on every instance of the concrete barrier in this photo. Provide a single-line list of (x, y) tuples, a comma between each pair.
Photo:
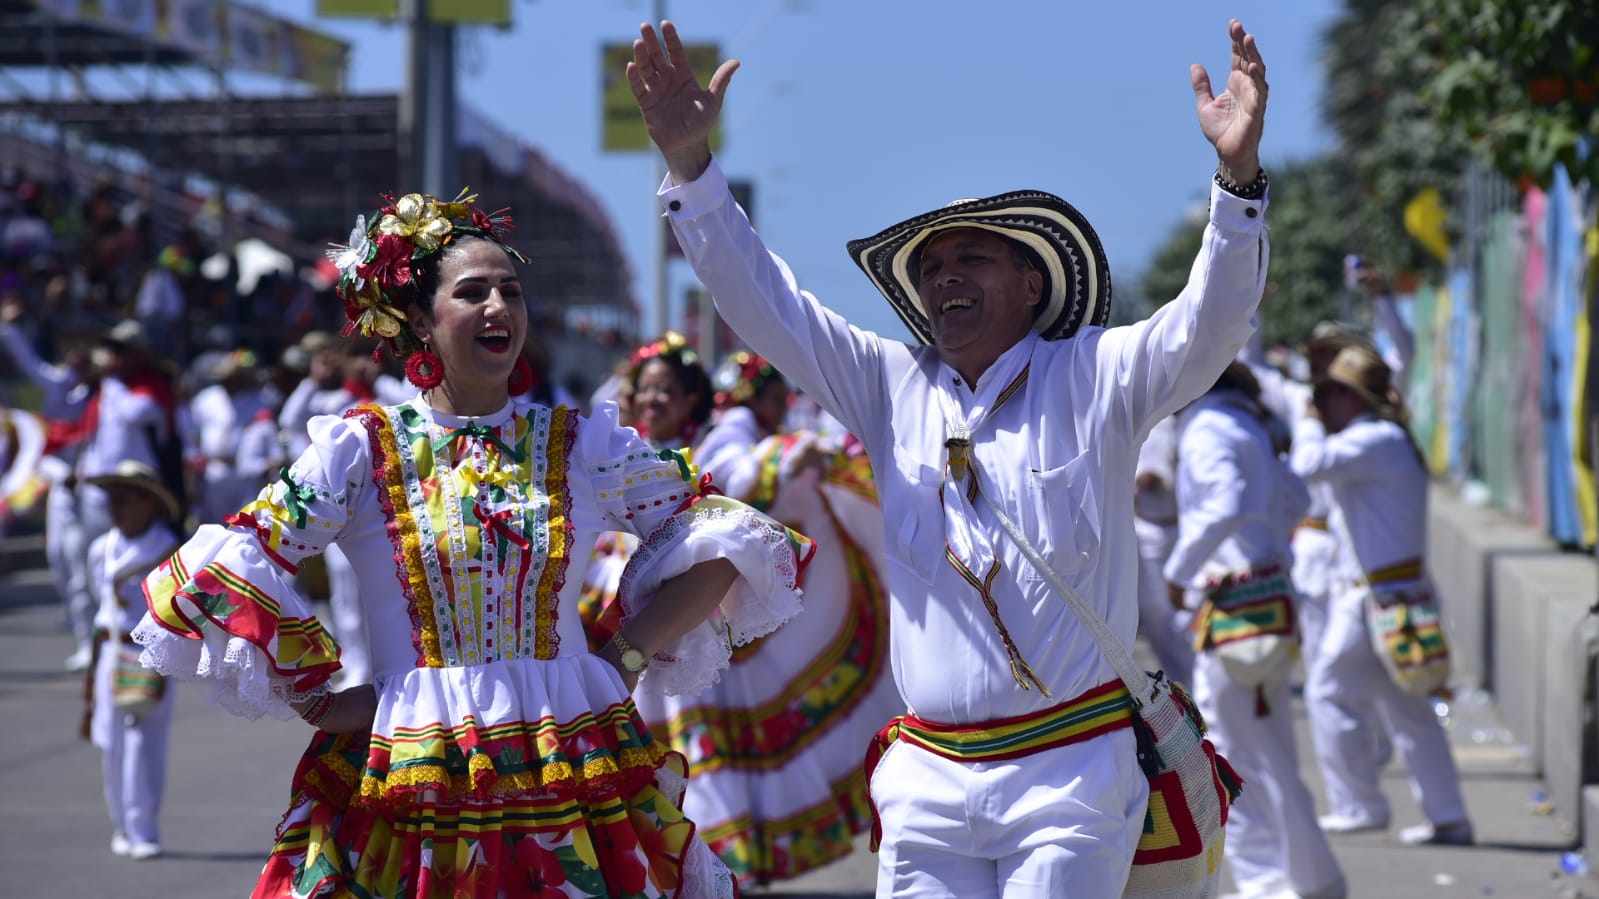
[(1463, 540), (1568, 737), (1516, 607)]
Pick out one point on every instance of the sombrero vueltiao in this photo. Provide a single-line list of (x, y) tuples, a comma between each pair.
[(1076, 273)]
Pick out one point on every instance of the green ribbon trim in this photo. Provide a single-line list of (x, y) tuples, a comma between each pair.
[(672, 455), (295, 497), (483, 434)]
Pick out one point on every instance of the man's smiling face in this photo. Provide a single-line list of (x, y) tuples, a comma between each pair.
[(979, 293)]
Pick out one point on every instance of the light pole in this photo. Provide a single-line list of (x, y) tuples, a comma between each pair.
[(427, 108), (661, 312)]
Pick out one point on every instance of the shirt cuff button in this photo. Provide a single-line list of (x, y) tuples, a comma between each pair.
[(1251, 212)]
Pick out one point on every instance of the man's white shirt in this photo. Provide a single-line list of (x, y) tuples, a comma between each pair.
[(1058, 455)]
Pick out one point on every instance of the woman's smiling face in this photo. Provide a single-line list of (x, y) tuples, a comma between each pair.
[(479, 317), (662, 406)]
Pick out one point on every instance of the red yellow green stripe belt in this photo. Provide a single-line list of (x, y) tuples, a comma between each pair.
[(1105, 708), (1408, 570), (1314, 524)]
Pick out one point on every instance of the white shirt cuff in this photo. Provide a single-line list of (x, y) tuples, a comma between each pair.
[(1236, 215), (696, 198)]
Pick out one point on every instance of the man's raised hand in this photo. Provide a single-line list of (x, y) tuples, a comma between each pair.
[(1233, 121), (678, 113)]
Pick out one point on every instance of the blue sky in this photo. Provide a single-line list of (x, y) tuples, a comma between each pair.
[(850, 115)]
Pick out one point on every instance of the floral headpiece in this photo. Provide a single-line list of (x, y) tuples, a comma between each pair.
[(670, 344), (742, 377), (381, 258)]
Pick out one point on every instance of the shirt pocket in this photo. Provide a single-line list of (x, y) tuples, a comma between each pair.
[(918, 537), (1063, 515)]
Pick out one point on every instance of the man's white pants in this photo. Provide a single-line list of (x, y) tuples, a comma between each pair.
[(1060, 823), (1274, 844), (65, 551), (133, 755), (1349, 684), (349, 619), (1316, 579), (1166, 629)]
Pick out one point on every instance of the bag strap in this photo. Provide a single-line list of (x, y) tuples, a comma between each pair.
[(1138, 682)]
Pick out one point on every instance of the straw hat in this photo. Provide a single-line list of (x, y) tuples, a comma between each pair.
[(1360, 369), (131, 473), (1334, 335), (129, 333), (1062, 244)]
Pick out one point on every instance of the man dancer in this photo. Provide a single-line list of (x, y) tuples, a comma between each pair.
[(1236, 502), (1024, 396), (1355, 440)]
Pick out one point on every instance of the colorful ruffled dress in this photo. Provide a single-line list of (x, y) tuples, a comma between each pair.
[(775, 746), (504, 759)]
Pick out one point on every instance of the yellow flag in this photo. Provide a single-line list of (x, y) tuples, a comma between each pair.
[(1424, 219)]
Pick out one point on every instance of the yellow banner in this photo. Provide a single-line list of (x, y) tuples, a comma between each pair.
[(314, 58), (471, 12), (360, 9), (444, 12), (622, 128)]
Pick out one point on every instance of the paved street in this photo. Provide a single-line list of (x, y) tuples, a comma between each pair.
[(228, 780)]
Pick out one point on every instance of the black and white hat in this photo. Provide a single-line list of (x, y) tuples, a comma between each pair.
[(1062, 243)]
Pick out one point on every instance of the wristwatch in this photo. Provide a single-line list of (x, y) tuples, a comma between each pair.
[(632, 660)]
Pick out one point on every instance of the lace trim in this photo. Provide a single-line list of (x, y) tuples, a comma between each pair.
[(558, 555), (704, 875), (235, 674), (766, 596), (593, 756), (401, 526)]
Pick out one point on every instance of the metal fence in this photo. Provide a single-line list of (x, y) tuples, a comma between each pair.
[(1502, 385)]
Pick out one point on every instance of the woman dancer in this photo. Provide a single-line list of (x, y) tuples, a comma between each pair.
[(774, 748), (493, 754)]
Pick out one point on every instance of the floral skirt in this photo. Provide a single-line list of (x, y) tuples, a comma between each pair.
[(632, 843)]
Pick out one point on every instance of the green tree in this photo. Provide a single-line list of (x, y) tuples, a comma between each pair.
[(1392, 140), (1518, 78), (1311, 232)]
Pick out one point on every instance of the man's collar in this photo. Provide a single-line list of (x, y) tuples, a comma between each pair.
[(1005, 364)]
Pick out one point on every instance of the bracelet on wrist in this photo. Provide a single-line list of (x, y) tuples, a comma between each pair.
[(318, 710), (1254, 190)]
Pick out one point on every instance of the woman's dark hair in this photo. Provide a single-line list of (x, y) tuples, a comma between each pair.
[(691, 377)]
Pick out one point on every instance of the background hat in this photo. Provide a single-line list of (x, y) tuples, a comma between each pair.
[(1335, 335), (1360, 369), (1076, 273), (129, 333), (131, 473)]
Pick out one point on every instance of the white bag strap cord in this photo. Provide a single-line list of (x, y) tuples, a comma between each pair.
[(1137, 680)]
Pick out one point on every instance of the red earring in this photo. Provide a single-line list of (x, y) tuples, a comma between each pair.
[(521, 379), (424, 369)]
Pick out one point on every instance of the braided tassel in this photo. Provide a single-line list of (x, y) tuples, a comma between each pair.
[(1023, 672)]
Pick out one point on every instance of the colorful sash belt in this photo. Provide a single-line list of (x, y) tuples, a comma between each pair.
[(1314, 524), (1408, 570), (1103, 709), (1256, 602)]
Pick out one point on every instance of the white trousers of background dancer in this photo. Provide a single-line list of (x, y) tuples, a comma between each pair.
[(349, 622), (1348, 683), (1001, 829), (64, 547), (1315, 561), (1167, 629), (89, 520), (1316, 577), (133, 755), (1274, 844)]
